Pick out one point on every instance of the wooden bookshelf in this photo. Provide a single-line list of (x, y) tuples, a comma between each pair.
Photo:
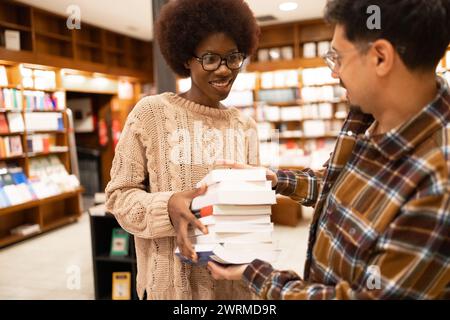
[(50, 212), (104, 264), (46, 40)]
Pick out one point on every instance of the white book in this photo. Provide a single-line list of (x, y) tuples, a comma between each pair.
[(227, 209), (232, 219), (234, 197), (14, 194), (12, 40), (7, 146), (221, 254), (260, 246), (15, 121), (219, 175), (240, 185), (26, 229), (238, 228), (224, 256), (250, 237), (25, 192), (46, 121)]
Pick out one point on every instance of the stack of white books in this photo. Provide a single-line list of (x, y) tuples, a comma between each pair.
[(236, 209), (26, 229)]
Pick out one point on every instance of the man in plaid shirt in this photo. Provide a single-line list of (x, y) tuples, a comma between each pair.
[(381, 227)]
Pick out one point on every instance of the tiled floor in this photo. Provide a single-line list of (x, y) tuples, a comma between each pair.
[(47, 267)]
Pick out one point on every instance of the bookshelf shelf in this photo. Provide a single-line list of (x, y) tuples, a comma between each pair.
[(47, 131), (89, 44), (10, 239), (54, 36), (115, 50), (45, 39), (10, 86), (12, 158), (11, 134), (44, 154), (60, 222), (104, 264), (35, 203), (10, 110), (44, 90), (14, 26), (39, 111), (47, 212)]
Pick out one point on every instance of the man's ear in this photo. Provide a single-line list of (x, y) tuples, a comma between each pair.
[(383, 54)]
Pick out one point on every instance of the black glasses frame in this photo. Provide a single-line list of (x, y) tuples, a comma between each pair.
[(222, 59)]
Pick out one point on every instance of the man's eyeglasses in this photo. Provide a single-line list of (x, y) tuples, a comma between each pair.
[(333, 59), (213, 61)]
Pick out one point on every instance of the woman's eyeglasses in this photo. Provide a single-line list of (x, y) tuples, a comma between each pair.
[(213, 61)]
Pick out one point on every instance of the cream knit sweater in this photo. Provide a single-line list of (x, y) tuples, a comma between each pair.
[(169, 144)]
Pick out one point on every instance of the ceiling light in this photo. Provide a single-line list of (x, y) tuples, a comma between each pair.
[(288, 6)]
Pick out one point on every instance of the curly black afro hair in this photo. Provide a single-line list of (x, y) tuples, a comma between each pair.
[(183, 24)]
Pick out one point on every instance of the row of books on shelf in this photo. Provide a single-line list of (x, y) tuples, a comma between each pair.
[(317, 76), (275, 53), (44, 101), (239, 99), (14, 122), (309, 129), (48, 177), (315, 49), (26, 229), (278, 95), (311, 154), (11, 99), (236, 209), (298, 113), (323, 93), (279, 79), (3, 76), (38, 79), (10, 146), (44, 143)]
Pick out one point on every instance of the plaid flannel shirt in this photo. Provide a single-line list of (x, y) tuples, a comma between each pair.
[(381, 226)]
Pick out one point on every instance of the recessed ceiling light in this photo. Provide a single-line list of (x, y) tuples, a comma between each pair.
[(288, 6)]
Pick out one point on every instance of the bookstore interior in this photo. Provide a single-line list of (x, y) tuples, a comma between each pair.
[(65, 94)]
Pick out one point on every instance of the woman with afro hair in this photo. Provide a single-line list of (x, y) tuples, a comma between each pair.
[(171, 141)]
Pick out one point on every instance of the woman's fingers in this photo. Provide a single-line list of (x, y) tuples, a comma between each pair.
[(183, 242), (198, 224)]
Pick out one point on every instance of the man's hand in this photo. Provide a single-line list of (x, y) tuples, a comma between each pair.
[(233, 272), (181, 217), (270, 175)]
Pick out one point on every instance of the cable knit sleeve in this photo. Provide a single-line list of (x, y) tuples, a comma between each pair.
[(252, 143), (139, 212)]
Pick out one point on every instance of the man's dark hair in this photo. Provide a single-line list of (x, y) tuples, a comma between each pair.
[(418, 29), (183, 24)]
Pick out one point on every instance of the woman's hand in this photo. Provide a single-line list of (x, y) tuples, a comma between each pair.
[(233, 272), (181, 217), (270, 175)]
